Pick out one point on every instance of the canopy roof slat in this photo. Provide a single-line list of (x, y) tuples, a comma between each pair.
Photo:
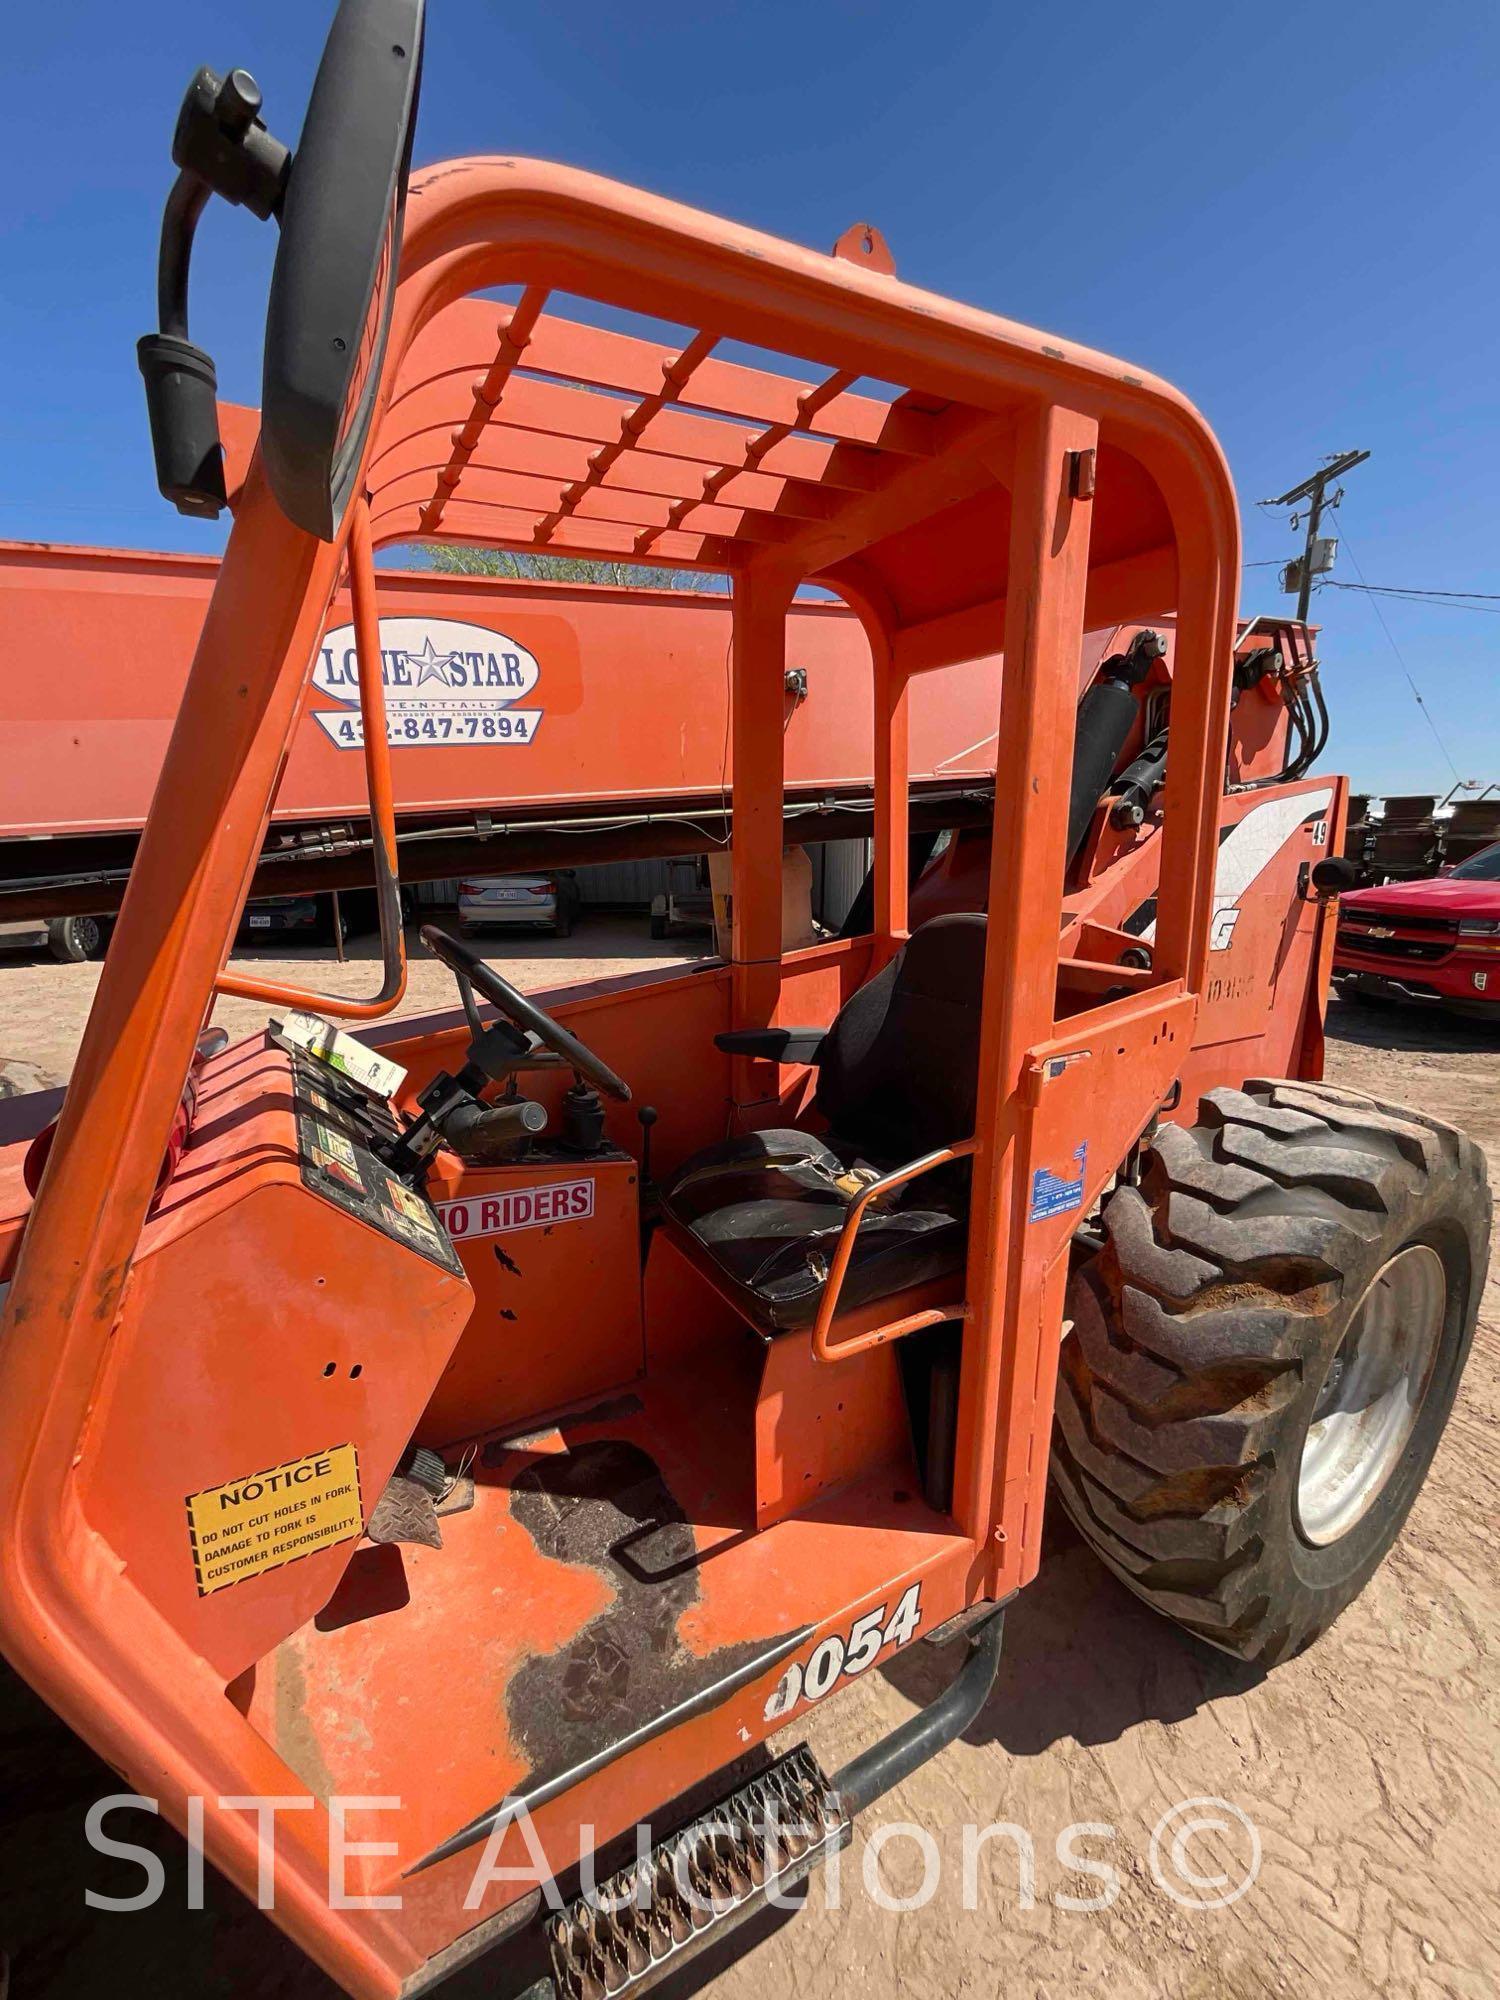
[(514, 425), (544, 429), (578, 416), (515, 335)]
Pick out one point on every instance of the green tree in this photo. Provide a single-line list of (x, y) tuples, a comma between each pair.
[(541, 566)]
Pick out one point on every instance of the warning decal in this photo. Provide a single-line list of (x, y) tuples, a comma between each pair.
[(271, 1518), (1056, 1194), (518, 1208)]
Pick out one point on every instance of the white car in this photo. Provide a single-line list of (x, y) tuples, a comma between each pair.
[(505, 902)]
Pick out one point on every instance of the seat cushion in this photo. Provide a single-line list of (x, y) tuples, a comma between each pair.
[(767, 1210)]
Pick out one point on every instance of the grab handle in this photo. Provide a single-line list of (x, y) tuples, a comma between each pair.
[(382, 811), (823, 1346)]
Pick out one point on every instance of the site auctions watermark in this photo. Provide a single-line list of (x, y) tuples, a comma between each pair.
[(1202, 1853)]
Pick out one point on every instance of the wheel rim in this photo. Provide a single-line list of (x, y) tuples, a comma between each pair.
[(1367, 1406), (87, 933)]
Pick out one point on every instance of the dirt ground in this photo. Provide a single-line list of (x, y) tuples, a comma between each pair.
[(1360, 1784), (43, 1005)]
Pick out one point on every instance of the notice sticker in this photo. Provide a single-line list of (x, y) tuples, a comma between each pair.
[(271, 1518), (410, 1205), (518, 1208), (1056, 1194)]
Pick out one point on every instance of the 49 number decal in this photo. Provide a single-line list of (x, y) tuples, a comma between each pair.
[(838, 1658)]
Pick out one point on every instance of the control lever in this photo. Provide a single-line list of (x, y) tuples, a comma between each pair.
[(502, 1048), (650, 1205), (492, 1054), (484, 1133)]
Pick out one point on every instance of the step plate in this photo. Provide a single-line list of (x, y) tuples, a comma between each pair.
[(643, 1922)]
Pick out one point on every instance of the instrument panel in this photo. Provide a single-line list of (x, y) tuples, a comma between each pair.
[(339, 1128)]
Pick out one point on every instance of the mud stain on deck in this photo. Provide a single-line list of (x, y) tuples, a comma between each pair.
[(605, 1506)]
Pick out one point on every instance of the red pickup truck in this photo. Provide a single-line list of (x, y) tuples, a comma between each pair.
[(1437, 940)]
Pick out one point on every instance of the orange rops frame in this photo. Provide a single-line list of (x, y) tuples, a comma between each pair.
[(382, 807), (992, 405)]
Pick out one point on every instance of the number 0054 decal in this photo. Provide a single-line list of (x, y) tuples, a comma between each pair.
[(838, 1658)]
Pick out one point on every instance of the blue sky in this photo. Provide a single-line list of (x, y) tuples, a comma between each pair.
[(1288, 212)]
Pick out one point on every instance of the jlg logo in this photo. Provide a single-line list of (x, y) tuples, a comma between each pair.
[(1221, 930), (837, 1658)]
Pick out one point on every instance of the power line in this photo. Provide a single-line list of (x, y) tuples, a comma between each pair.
[(1442, 600), (1422, 590), (1374, 603)]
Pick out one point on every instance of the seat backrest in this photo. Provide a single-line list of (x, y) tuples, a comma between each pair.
[(900, 1065)]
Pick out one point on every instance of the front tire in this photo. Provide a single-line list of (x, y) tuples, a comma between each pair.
[(1264, 1353), (1360, 995)]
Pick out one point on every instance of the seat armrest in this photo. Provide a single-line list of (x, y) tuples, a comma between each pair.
[(783, 1045)]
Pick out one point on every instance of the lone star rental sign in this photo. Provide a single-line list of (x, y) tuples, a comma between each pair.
[(445, 682)]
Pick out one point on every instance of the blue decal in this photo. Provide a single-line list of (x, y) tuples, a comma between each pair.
[(1052, 1195)]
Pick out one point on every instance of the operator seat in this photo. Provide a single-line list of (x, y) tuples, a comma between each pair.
[(897, 1076)]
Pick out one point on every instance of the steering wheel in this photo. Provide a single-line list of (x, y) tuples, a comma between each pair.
[(465, 963)]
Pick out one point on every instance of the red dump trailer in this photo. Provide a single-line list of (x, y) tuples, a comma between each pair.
[(484, 700)]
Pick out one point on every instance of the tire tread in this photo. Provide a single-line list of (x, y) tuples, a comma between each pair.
[(1192, 1328)]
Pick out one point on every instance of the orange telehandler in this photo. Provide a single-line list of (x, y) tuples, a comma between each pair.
[(507, 1422)]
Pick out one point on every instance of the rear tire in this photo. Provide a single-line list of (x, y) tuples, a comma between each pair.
[(1203, 1348), (658, 926), (71, 940)]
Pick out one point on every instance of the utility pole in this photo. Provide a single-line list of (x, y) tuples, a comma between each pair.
[(1318, 551)]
